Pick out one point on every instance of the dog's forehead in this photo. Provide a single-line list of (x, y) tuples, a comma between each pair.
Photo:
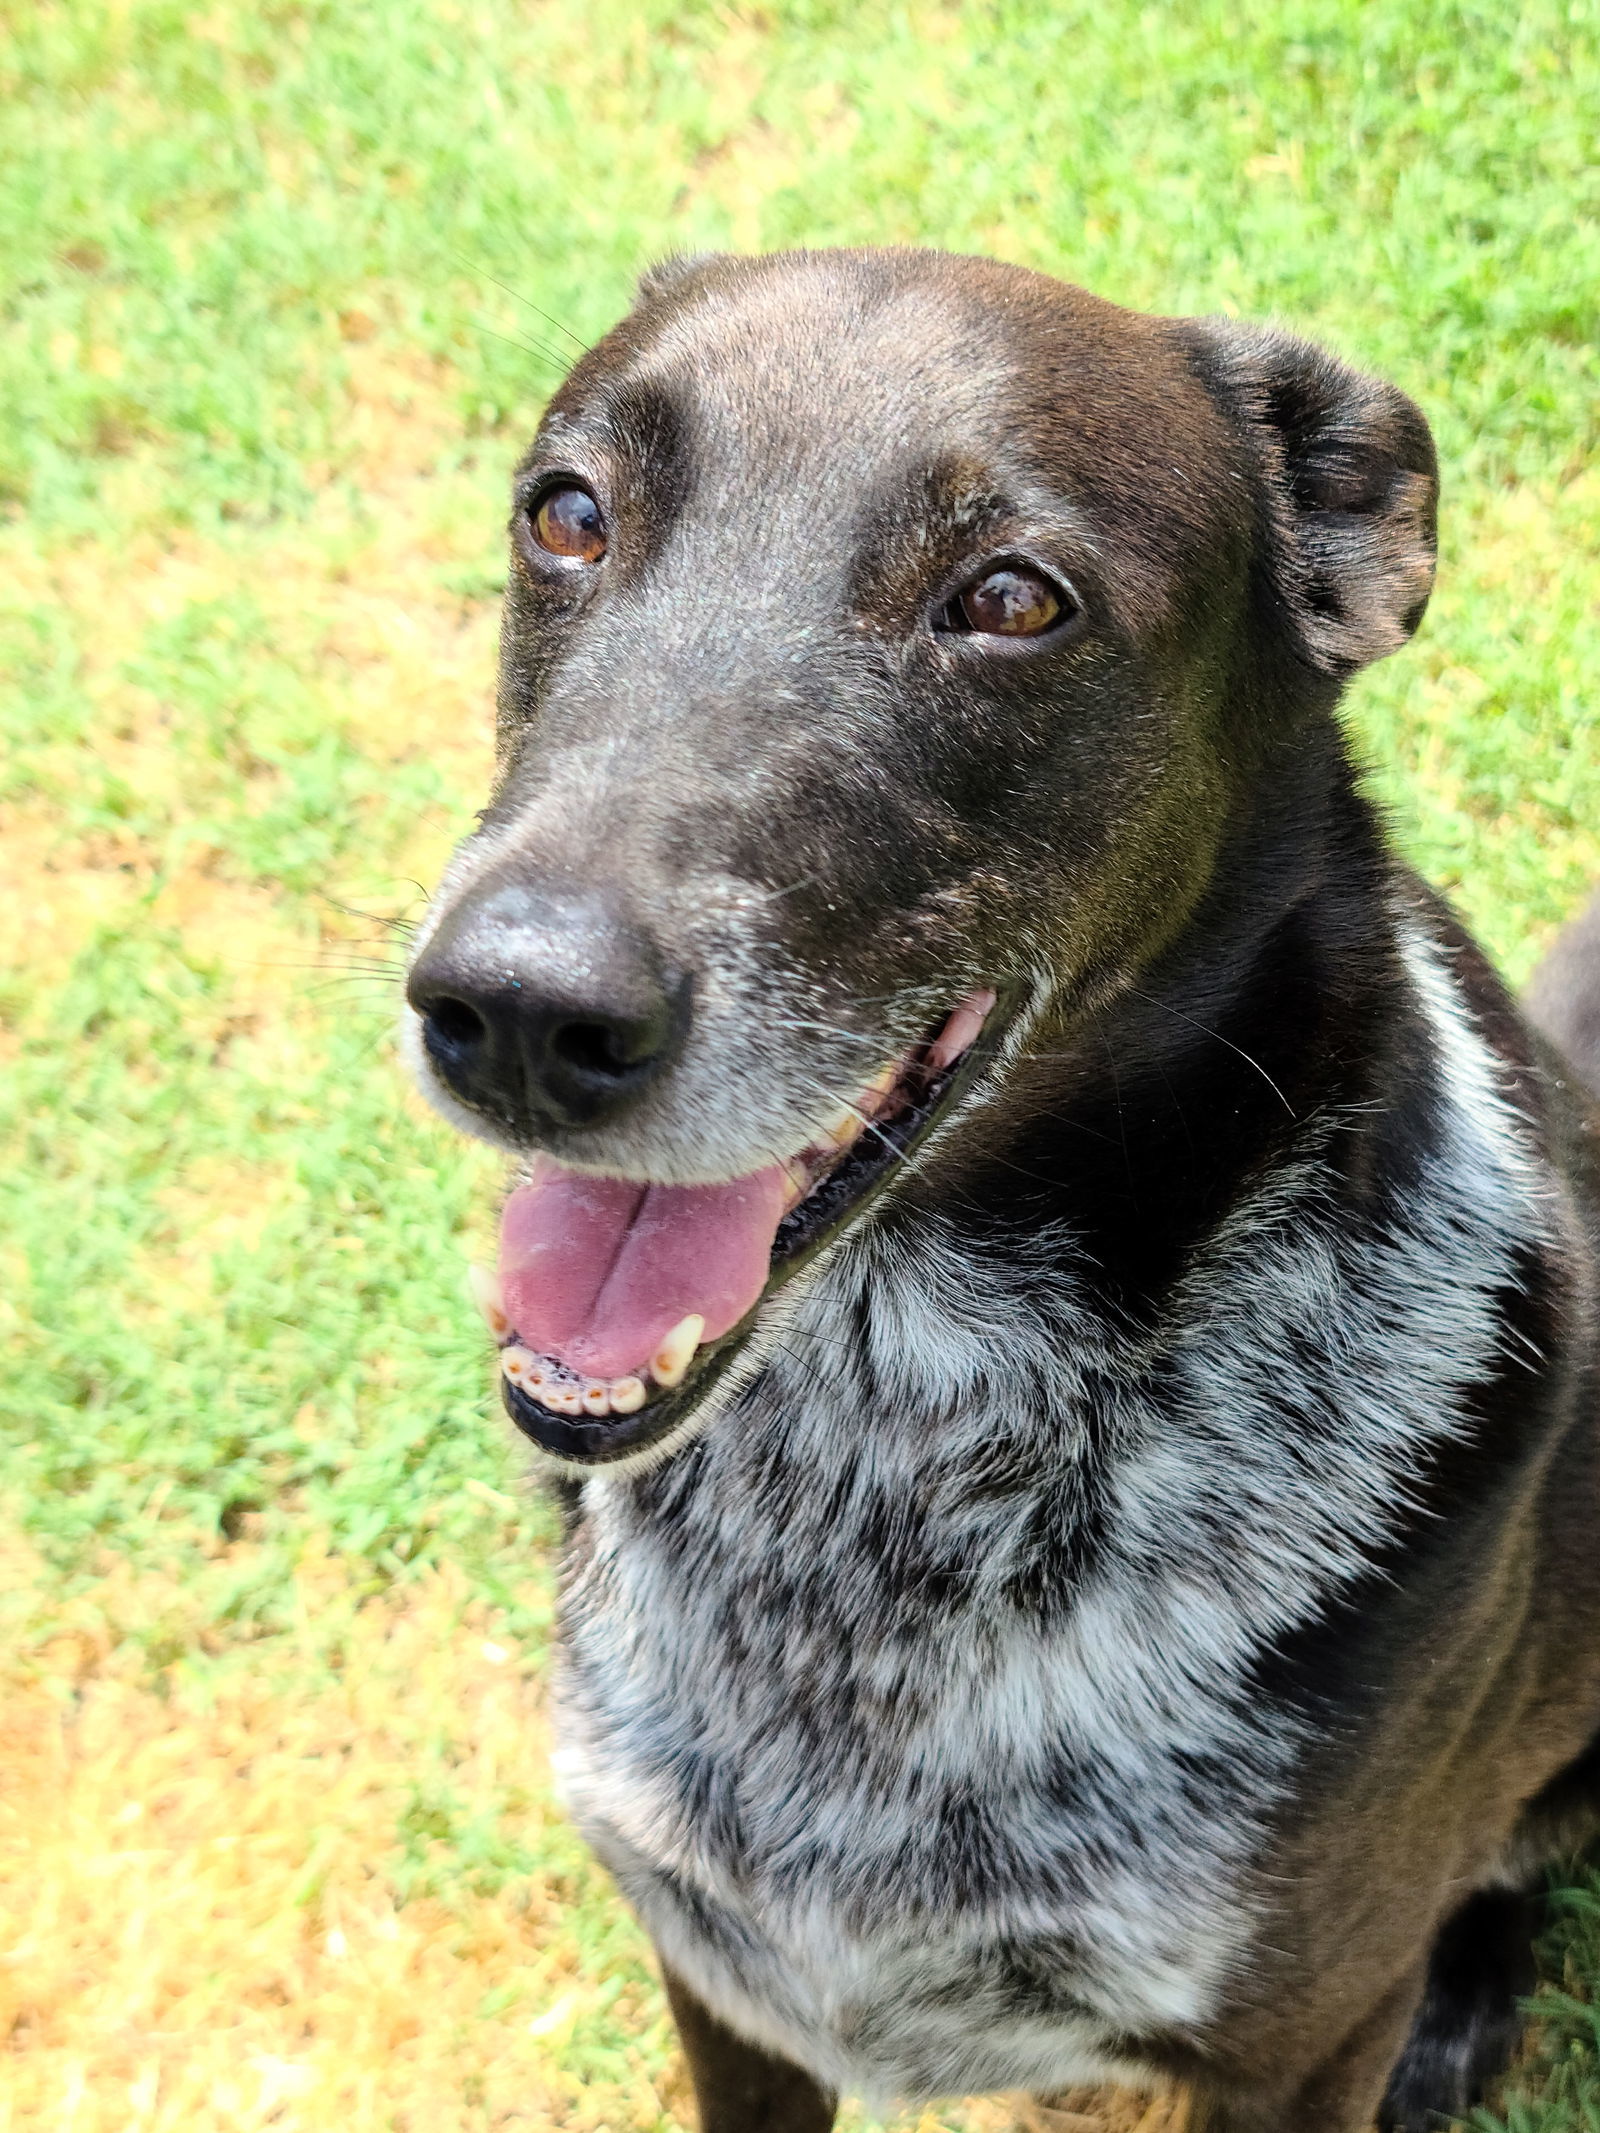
[(829, 375), (801, 372)]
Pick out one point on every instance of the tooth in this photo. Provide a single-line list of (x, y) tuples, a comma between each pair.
[(843, 1127), (870, 1101), (563, 1400), (671, 1359), (961, 1031), (627, 1396), (519, 1365), (483, 1285), (596, 1400)]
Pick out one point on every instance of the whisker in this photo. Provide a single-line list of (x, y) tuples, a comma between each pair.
[(517, 297), (826, 1029), (869, 1125), (771, 896), (404, 927), (373, 973), (807, 1334), (555, 360), (357, 966), (342, 984), (1217, 1034)]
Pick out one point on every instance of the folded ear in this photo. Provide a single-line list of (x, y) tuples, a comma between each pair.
[(1351, 483)]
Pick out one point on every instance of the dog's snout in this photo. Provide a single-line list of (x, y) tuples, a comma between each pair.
[(545, 1011)]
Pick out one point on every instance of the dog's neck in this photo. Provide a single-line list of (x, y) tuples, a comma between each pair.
[(1141, 1122), (1278, 1051)]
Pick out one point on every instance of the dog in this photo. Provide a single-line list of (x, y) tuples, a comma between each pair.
[(1056, 1288)]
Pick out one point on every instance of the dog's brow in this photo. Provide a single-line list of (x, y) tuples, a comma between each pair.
[(632, 419)]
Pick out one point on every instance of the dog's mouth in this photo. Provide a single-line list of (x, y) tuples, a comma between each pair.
[(617, 1305)]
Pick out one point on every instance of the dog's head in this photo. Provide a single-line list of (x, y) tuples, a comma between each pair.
[(892, 642)]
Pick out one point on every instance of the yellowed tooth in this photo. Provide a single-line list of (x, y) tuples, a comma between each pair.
[(671, 1359), (520, 1366), (596, 1399), (627, 1396), (562, 1400), (483, 1285), (871, 1098), (843, 1127)]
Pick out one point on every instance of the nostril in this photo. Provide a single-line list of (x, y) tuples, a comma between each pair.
[(457, 1022), (596, 1048), (544, 1013)]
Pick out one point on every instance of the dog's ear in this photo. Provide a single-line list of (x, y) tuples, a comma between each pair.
[(1351, 482), (669, 273)]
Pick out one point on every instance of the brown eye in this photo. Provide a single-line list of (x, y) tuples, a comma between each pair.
[(1007, 603), (568, 522)]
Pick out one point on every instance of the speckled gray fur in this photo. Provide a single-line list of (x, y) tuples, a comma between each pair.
[(909, 1704)]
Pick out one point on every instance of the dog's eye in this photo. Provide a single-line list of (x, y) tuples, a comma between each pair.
[(1012, 602), (567, 522)]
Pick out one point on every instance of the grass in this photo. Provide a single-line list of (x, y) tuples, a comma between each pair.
[(276, 1841)]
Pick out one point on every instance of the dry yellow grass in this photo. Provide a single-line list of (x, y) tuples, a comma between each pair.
[(200, 1913), (205, 1913)]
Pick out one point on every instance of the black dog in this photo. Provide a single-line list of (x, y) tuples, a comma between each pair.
[(1065, 1290)]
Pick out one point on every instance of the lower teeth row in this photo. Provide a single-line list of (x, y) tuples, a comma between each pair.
[(567, 1395), (562, 1390)]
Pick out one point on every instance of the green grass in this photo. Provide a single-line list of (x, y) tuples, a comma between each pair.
[(262, 377)]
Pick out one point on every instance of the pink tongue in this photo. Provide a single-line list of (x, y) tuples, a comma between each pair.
[(596, 1272)]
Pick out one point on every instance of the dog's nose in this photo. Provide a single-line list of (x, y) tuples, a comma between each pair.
[(545, 1010)]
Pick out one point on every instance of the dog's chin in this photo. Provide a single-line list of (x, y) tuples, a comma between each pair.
[(554, 1408)]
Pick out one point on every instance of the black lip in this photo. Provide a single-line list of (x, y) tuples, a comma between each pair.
[(838, 1200)]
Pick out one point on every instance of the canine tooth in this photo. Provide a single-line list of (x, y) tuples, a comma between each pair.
[(960, 1032), (671, 1359), (483, 1285), (627, 1395), (596, 1400), (519, 1365)]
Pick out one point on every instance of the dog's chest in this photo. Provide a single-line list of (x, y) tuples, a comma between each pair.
[(911, 1706), (879, 1800)]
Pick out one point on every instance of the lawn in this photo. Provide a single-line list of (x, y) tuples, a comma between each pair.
[(284, 286)]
